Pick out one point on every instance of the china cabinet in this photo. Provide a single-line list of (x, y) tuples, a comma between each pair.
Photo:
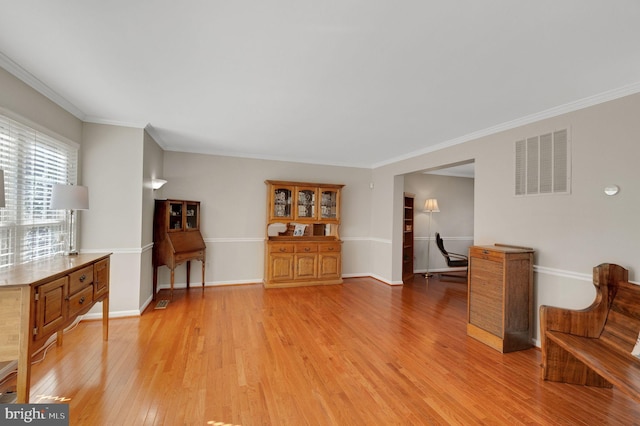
[(500, 296), (177, 238), (303, 245), (407, 237)]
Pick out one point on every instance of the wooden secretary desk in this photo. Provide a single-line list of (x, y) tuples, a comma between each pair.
[(176, 238)]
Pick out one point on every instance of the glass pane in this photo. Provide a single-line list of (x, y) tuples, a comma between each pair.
[(306, 203), (329, 204), (282, 203), (175, 215), (192, 216)]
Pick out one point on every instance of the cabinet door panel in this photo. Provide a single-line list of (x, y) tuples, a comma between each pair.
[(51, 306), (101, 278), (330, 204), (306, 199), (486, 296), (175, 216), (329, 266), (280, 202), (192, 216), (280, 267), (306, 266)]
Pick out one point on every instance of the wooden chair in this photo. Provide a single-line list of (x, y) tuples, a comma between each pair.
[(454, 260)]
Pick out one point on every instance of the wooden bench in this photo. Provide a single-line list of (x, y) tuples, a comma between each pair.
[(593, 346)]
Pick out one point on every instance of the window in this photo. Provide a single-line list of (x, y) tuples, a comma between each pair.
[(542, 164), (32, 163)]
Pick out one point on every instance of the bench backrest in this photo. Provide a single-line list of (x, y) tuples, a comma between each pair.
[(623, 320)]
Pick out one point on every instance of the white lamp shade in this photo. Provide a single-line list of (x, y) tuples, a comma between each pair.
[(69, 197), (431, 205), (2, 200)]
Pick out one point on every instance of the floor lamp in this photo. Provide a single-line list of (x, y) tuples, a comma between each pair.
[(70, 198), (430, 206)]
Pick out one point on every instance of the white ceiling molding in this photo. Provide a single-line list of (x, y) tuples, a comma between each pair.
[(26, 77), (550, 113), (97, 120)]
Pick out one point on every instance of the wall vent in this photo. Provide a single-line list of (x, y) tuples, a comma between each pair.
[(542, 164)]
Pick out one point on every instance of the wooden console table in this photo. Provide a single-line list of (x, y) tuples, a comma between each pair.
[(42, 298)]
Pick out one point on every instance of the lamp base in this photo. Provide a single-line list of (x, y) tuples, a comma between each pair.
[(71, 253), (427, 275)]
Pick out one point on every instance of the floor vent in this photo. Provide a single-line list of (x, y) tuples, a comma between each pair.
[(162, 304)]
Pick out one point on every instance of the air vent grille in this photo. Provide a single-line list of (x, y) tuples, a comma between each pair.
[(542, 164)]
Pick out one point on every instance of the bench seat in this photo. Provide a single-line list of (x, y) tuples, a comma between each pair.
[(617, 368), (593, 346)]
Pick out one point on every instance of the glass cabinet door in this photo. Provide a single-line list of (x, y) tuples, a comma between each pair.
[(192, 216), (329, 204), (281, 202), (306, 203), (175, 216)]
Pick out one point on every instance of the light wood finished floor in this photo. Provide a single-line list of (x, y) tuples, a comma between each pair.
[(361, 353)]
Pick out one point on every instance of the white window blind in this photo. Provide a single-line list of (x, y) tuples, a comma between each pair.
[(32, 163)]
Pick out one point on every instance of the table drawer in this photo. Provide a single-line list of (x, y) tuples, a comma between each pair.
[(483, 253), (181, 257), (329, 247), (281, 248), (81, 300), (80, 279), (306, 248)]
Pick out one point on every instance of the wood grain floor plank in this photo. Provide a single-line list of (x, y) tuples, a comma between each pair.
[(359, 353)]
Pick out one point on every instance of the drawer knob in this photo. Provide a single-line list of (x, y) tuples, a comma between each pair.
[(330, 248), (282, 249), (81, 301), (306, 249), (485, 251), (82, 278)]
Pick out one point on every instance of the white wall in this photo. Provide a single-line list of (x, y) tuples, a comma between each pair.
[(570, 233), (21, 102), (152, 167), (233, 200), (454, 222), (113, 162)]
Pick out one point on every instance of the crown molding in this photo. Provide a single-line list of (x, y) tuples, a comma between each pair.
[(99, 120), (589, 101), (31, 81)]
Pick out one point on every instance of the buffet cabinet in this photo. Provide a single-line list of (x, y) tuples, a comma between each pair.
[(500, 296), (177, 239), (303, 245), (42, 298)]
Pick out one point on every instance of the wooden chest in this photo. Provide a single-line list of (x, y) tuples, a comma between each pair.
[(500, 296)]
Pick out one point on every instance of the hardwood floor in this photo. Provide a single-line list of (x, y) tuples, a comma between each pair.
[(360, 353)]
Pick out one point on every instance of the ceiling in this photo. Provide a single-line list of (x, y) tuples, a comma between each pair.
[(345, 82)]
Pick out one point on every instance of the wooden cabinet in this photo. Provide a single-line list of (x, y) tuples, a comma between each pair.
[(500, 296), (407, 237), (42, 298), (177, 238), (303, 245)]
